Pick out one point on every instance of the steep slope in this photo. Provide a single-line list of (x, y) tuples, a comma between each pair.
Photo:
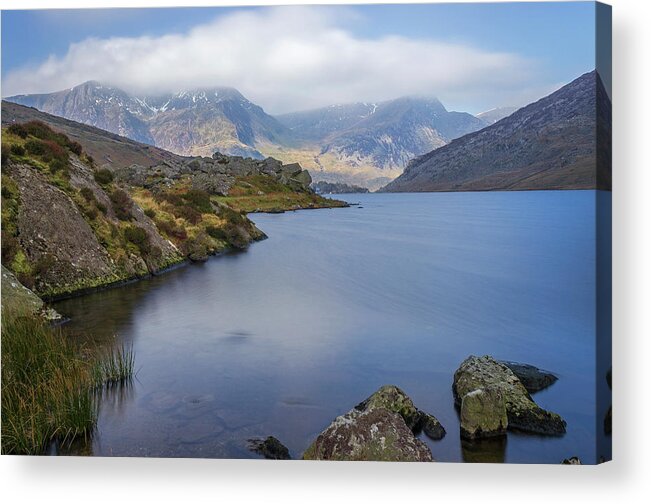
[(70, 224), (550, 144), (496, 114), (92, 103)]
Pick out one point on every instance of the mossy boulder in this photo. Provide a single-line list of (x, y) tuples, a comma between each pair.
[(483, 414), (393, 399), (522, 412), (376, 434), (269, 448)]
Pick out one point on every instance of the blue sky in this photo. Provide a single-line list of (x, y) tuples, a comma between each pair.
[(512, 52)]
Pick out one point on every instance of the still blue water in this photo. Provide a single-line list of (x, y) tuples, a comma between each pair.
[(281, 338)]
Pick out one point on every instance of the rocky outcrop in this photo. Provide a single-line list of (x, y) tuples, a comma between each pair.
[(215, 175), (483, 414), (533, 378), (269, 448), (376, 434), (522, 412)]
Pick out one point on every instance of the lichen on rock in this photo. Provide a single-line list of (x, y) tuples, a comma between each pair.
[(376, 434), (522, 412)]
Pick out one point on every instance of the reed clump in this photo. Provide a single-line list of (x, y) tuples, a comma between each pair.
[(49, 390)]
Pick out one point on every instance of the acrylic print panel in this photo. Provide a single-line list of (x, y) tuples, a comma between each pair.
[(166, 293)]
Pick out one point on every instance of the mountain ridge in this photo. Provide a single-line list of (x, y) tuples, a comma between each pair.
[(562, 141), (360, 143)]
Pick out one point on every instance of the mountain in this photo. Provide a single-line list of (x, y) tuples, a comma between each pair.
[(493, 115), (104, 107), (361, 143), (197, 122), (562, 141), (374, 140), (320, 123)]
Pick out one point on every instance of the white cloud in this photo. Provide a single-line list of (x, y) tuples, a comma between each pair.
[(285, 59)]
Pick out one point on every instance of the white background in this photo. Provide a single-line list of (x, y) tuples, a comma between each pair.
[(626, 479)]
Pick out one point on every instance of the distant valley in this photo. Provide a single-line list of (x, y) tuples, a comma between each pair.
[(365, 144)]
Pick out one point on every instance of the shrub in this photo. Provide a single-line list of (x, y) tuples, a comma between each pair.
[(188, 213), (150, 212), (139, 237), (18, 129), (171, 229), (103, 176), (87, 193), (75, 147), (230, 233), (17, 150), (35, 147), (5, 154), (217, 233), (46, 150), (91, 212), (101, 207), (9, 247), (57, 165), (199, 200), (121, 204)]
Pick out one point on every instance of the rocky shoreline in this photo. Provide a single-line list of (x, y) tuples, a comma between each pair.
[(491, 396)]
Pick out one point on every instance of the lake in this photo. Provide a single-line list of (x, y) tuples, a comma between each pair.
[(280, 339)]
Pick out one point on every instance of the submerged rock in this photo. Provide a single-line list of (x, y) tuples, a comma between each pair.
[(572, 461), (522, 412), (374, 434), (431, 426), (533, 378), (269, 448), (483, 414)]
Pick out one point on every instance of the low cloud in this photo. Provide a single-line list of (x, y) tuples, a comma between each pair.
[(287, 59)]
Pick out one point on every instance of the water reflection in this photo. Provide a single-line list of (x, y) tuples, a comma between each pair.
[(491, 450)]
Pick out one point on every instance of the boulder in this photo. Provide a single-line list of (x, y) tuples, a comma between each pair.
[(376, 434), (431, 426), (393, 399), (533, 378), (522, 412), (269, 448), (483, 414)]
